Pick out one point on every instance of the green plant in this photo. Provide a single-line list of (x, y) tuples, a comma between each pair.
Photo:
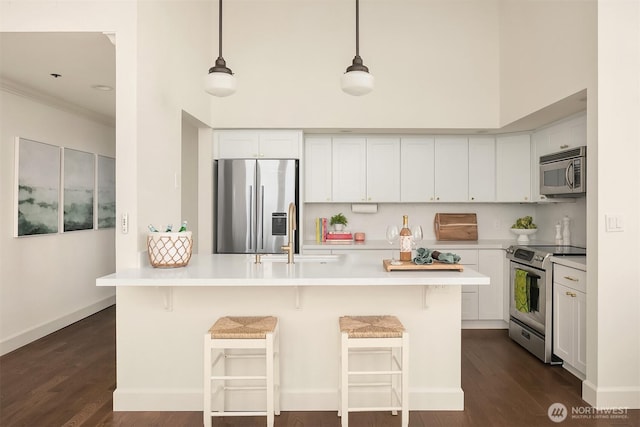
[(526, 222), (338, 219)]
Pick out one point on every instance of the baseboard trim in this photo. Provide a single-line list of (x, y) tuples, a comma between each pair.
[(485, 324), (26, 337), (611, 397), (442, 399)]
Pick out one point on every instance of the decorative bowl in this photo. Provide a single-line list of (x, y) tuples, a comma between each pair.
[(523, 234)]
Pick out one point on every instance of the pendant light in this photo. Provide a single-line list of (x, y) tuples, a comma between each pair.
[(357, 80), (220, 80)]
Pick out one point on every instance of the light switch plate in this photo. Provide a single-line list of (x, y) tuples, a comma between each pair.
[(613, 223)]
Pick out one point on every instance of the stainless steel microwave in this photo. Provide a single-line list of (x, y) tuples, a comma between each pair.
[(564, 174)]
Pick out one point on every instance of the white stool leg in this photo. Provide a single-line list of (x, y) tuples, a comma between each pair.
[(270, 379), (405, 379), (344, 380), (394, 379), (277, 370), (206, 409)]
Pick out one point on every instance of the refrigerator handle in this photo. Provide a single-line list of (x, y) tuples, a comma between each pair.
[(251, 213), (261, 220)]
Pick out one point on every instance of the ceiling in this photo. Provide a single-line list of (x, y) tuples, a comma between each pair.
[(86, 60), (83, 61)]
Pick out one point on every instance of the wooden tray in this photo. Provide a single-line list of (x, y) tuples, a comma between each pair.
[(410, 266)]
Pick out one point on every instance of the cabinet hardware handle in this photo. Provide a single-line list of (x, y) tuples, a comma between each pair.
[(571, 294), (564, 146), (473, 198), (573, 279)]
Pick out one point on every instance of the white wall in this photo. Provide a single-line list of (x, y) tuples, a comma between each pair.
[(174, 38), (613, 344), (547, 52), (435, 64), (48, 281)]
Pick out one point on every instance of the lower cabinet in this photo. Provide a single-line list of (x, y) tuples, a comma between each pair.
[(569, 317), (478, 302)]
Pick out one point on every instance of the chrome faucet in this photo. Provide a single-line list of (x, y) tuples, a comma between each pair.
[(290, 248)]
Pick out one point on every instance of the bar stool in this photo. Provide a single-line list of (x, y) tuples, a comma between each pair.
[(247, 334), (375, 335)]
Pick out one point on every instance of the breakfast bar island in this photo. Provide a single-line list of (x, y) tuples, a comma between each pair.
[(163, 314)]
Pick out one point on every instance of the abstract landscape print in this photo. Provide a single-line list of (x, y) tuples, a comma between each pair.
[(106, 192), (38, 193), (79, 184)]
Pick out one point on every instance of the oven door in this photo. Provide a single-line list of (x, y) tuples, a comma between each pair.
[(528, 302)]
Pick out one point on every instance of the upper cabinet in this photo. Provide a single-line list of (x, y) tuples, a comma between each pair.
[(451, 169), (349, 169), (366, 169), (513, 168), (561, 136), (482, 169), (352, 169), (417, 173), (257, 144), (383, 169), (317, 169), (426, 169)]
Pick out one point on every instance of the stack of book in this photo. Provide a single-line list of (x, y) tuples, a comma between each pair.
[(324, 235), (339, 236)]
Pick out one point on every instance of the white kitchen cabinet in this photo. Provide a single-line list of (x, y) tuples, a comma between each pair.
[(563, 135), (317, 169), (513, 168), (451, 169), (569, 317), (482, 169), (383, 170), (263, 144), (417, 172), (366, 169), (349, 164), (491, 298), (468, 258)]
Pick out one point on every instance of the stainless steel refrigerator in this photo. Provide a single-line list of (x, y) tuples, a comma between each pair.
[(252, 203)]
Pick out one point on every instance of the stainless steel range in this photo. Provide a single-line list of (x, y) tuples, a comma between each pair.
[(530, 307)]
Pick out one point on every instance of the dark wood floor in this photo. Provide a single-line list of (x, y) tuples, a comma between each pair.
[(67, 379)]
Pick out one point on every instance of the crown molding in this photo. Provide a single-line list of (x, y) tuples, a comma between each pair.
[(14, 88)]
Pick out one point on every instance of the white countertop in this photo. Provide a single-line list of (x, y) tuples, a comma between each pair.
[(240, 270), (432, 244), (579, 262)]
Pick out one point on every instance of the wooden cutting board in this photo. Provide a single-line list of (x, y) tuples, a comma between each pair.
[(456, 226), (410, 266)]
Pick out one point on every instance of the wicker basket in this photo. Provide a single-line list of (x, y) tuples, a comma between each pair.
[(169, 250)]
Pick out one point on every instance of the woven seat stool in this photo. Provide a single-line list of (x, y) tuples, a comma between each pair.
[(241, 338), (374, 335)]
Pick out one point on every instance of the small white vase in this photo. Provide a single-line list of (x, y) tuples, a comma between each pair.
[(338, 227)]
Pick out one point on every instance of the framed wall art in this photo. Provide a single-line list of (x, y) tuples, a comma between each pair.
[(106, 192), (38, 192), (79, 187)]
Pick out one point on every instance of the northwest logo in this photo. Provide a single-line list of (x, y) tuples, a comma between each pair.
[(557, 412)]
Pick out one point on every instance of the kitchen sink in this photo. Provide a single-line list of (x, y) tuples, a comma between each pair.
[(299, 258)]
